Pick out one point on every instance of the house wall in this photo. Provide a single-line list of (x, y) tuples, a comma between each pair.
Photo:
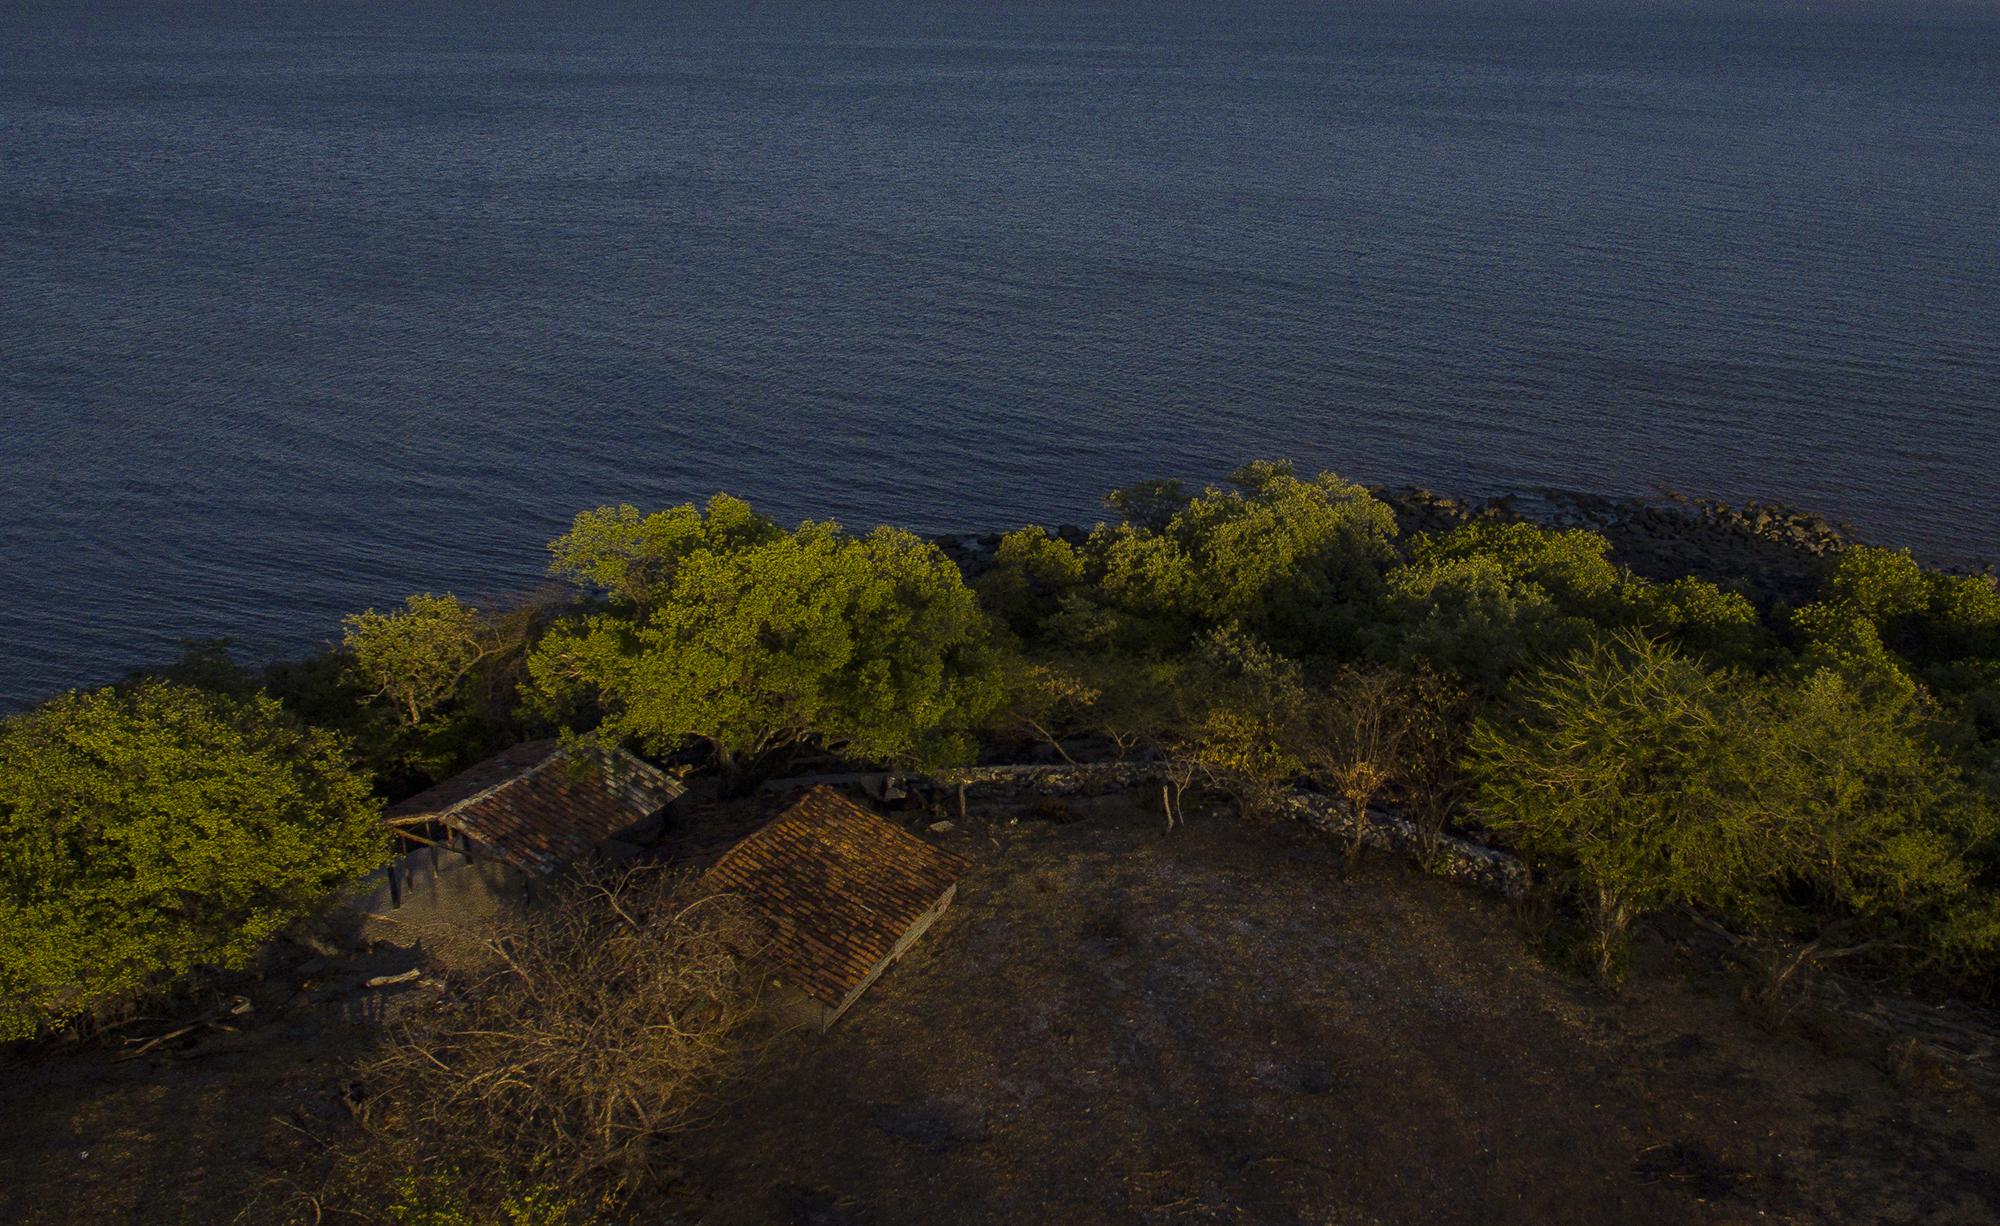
[(436, 881), (449, 902)]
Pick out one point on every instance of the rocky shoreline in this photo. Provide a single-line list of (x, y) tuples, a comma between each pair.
[(1771, 553)]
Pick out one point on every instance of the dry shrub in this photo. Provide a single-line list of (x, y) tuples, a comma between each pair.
[(1433, 783), (621, 1006), (1354, 737)]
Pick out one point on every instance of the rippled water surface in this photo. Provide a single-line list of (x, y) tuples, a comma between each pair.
[(304, 306)]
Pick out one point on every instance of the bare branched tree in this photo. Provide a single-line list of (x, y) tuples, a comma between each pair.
[(1353, 737), (1433, 784)]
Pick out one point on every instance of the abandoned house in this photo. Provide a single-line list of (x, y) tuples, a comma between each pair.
[(842, 892), (532, 810)]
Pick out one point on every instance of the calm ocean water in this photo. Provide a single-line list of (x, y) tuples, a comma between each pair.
[(307, 305)]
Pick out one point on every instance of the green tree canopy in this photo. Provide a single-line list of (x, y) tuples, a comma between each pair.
[(416, 658), (1617, 775), (1882, 837), (1808, 810), (1032, 574), (1468, 617), (1484, 600), (634, 557), (754, 642), (150, 831), (1288, 559), (1888, 623), (1571, 565)]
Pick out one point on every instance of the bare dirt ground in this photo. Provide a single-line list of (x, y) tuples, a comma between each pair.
[(200, 1129), (1119, 1025)]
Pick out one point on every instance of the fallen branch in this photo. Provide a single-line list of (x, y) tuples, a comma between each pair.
[(236, 1007)]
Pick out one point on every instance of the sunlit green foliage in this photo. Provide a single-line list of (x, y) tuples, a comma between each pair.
[(1840, 639), (1033, 573), (1234, 711), (1289, 559), (753, 642), (1617, 775), (151, 831), (1470, 618), (1801, 810), (1881, 836), (418, 656), (1134, 703), (1487, 599), (1721, 627), (634, 557), (446, 1198), (1651, 744), (422, 691), (1570, 565), (1887, 621)]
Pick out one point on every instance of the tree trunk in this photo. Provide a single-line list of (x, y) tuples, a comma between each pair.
[(1614, 917), (728, 769)]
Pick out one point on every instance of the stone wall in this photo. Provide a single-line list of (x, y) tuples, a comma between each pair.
[(1457, 858)]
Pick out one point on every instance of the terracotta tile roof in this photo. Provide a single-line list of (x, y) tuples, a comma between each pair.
[(539, 806), (838, 886)]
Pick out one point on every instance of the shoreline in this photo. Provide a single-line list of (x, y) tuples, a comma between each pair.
[(1771, 552)]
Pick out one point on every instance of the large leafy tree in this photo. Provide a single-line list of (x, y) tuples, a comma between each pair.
[(153, 830), (1895, 628), (1470, 618), (418, 656), (1815, 813), (1286, 558), (633, 557), (1616, 776), (755, 640), (1882, 837)]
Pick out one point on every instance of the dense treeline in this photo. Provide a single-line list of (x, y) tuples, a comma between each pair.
[(1821, 780)]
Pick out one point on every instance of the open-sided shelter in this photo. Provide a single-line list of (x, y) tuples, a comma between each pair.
[(543, 805)]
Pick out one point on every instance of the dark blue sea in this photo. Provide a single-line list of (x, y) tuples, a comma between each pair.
[(305, 305)]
